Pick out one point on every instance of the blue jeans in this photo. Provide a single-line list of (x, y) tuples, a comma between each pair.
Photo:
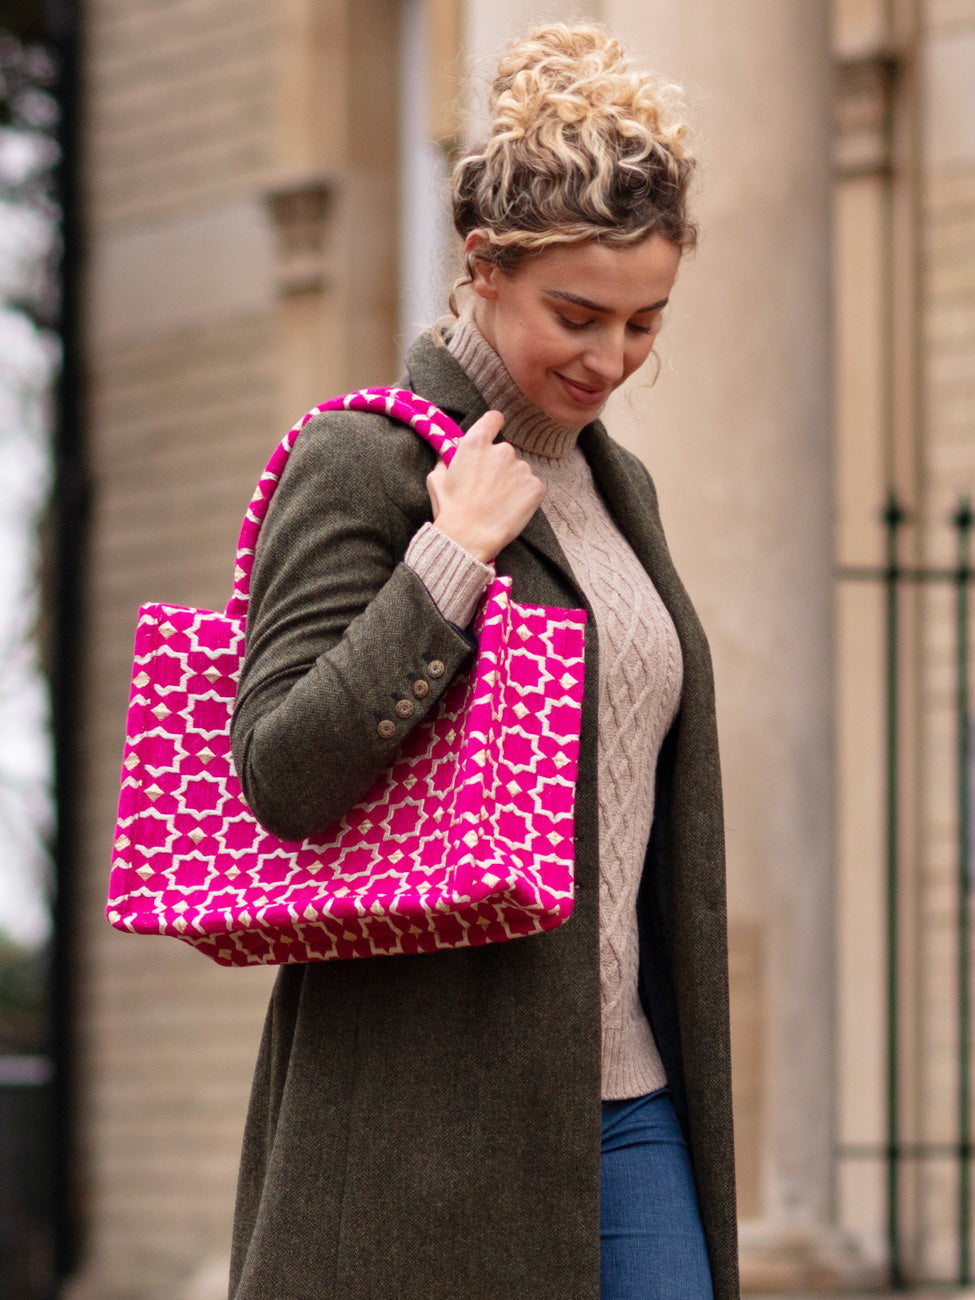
[(650, 1235)]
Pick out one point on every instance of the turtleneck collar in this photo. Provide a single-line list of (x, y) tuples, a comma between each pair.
[(526, 426)]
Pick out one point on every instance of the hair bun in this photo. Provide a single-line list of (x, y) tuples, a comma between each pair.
[(562, 51), (580, 146), (576, 75)]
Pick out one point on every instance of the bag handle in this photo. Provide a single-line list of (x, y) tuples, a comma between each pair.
[(425, 419)]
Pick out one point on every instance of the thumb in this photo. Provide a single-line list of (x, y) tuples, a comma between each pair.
[(485, 430)]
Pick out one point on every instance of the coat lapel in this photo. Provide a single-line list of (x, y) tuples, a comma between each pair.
[(628, 492), (628, 500)]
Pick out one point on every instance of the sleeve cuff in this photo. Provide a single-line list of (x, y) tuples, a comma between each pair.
[(455, 580)]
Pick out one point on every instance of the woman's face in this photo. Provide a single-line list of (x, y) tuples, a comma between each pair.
[(576, 320)]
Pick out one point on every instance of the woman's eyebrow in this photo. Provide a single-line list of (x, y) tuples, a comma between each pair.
[(594, 306)]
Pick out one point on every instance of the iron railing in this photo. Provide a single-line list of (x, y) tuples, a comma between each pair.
[(896, 578)]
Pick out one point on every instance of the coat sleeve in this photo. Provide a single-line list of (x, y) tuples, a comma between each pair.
[(345, 649)]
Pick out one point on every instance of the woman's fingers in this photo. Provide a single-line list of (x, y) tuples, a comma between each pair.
[(434, 479), (482, 433), (487, 494)]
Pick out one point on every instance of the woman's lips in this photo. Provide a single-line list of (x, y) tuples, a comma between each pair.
[(583, 394)]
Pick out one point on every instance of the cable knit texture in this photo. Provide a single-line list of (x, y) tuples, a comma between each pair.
[(639, 692)]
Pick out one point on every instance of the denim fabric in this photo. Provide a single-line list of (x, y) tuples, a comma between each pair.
[(651, 1240)]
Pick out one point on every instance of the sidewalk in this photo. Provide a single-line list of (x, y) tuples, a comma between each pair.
[(946, 1292)]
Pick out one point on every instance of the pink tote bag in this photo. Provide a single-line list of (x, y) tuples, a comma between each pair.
[(466, 839)]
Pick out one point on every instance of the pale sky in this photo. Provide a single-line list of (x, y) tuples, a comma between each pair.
[(27, 361)]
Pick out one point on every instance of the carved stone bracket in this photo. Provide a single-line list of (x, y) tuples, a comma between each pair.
[(863, 112), (299, 211)]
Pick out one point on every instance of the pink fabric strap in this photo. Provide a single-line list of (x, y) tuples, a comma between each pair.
[(425, 419)]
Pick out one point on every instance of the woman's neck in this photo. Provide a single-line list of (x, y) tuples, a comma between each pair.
[(526, 426)]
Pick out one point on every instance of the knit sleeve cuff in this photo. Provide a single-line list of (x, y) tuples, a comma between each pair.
[(454, 578)]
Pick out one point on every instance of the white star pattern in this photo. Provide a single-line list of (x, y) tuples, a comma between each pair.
[(458, 844)]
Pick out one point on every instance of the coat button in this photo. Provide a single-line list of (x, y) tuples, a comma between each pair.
[(435, 668), (421, 689), (405, 708), (387, 729)]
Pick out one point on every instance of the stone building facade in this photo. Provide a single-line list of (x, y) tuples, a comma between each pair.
[(905, 378), (264, 231)]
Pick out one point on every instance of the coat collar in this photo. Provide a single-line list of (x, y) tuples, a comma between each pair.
[(432, 372)]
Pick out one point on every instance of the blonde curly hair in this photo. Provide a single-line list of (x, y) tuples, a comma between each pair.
[(581, 147)]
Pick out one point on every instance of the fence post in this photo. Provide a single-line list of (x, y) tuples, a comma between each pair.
[(962, 520), (894, 516)]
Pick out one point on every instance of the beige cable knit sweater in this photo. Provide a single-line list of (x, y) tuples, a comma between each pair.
[(640, 673)]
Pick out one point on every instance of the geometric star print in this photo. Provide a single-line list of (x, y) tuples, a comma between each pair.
[(466, 839)]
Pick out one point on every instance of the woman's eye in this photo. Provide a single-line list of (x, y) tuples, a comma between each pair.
[(573, 324)]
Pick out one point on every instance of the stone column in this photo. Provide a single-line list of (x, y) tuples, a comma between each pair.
[(737, 433)]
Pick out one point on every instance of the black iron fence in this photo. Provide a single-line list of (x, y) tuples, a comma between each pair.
[(896, 579)]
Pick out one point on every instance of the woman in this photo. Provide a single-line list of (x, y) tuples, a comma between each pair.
[(431, 1126)]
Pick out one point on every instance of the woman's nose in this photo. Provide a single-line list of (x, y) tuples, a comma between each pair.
[(608, 359)]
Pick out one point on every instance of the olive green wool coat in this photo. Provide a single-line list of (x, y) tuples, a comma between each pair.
[(429, 1127)]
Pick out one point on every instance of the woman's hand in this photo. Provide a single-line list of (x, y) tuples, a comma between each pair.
[(488, 494)]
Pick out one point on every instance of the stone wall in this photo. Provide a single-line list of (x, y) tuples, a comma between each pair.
[(905, 290), (218, 304), (947, 473), (241, 202), (183, 380)]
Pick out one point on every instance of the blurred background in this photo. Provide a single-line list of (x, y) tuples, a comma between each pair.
[(215, 214)]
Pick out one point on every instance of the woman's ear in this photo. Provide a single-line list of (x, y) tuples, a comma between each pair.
[(484, 273)]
